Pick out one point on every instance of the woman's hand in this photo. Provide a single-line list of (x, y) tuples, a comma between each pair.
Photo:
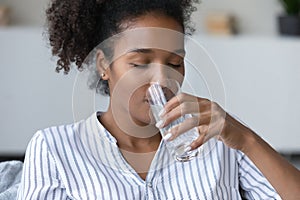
[(209, 118)]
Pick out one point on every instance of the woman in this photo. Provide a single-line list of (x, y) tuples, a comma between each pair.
[(119, 154)]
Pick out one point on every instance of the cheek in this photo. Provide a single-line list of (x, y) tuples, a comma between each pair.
[(139, 108), (128, 80), (137, 99)]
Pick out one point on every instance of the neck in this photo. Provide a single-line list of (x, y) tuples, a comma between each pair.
[(127, 140)]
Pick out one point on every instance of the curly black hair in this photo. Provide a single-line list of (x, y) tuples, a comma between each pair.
[(76, 27)]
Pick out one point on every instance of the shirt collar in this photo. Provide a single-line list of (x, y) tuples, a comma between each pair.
[(102, 131), (97, 138)]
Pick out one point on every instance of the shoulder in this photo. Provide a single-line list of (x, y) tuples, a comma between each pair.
[(57, 133), (56, 139), (67, 131), (54, 133)]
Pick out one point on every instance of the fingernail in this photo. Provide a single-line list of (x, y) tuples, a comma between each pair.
[(166, 137), (162, 113), (187, 149), (159, 124)]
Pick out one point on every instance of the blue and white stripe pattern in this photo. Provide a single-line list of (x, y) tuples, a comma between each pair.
[(82, 161)]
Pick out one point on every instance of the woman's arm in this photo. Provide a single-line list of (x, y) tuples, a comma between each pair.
[(212, 121), (284, 177)]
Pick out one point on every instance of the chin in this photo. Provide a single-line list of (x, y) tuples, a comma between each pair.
[(143, 118)]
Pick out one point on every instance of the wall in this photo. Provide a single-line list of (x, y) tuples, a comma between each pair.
[(261, 74), (32, 95), (26, 12), (254, 16), (261, 80)]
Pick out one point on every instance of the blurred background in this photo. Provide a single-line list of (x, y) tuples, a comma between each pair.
[(255, 45)]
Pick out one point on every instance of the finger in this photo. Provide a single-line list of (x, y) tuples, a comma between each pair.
[(183, 127), (172, 103), (207, 132), (203, 131), (180, 110), (167, 108), (188, 124), (177, 100)]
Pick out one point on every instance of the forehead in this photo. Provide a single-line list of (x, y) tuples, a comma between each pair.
[(146, 38)]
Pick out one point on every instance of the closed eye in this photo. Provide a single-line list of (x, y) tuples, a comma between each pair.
[(146, 65), (175, 65), (138, 65)]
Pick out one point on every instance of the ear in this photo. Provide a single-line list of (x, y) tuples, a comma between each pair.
[(102, 65)]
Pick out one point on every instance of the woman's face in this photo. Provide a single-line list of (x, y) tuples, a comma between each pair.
[(145, 55)]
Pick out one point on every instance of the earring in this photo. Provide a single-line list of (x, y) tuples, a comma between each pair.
[(102, 75)]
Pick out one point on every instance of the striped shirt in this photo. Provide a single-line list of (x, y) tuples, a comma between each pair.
[(83, 161)]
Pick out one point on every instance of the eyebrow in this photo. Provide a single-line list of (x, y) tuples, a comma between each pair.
[(147, 51), (140, 51)]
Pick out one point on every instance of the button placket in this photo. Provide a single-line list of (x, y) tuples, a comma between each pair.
[(149, 190)]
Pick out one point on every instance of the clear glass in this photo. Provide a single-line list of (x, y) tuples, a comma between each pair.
[(158, 95)]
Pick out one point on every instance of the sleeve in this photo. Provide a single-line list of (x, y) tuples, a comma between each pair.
[(253, 184), (40, 177)]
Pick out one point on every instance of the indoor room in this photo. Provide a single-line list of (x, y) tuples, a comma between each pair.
[(243, 55)]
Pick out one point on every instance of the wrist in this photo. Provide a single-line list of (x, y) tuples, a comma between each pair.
[(250, 142), (238, 136)]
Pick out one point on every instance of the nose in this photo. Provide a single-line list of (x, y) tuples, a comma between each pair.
[(168, 78), (160, 73), (163, 73)]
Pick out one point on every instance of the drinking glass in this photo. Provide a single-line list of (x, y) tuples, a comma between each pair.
[(158, 94)]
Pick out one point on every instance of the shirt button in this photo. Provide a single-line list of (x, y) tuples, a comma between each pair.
[(149, 185)]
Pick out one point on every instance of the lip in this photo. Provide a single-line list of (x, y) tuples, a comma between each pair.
[(146, 100)]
